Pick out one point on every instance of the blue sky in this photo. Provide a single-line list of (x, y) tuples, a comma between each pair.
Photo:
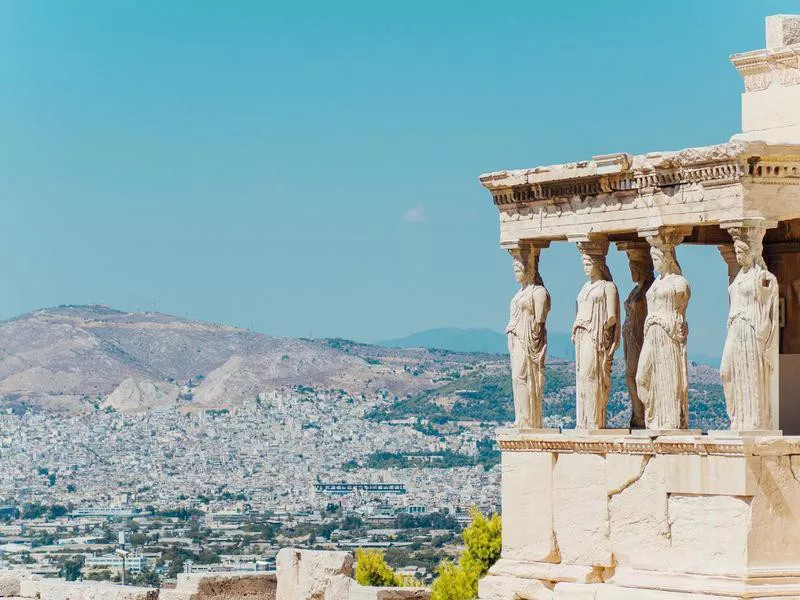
[(306, 168)]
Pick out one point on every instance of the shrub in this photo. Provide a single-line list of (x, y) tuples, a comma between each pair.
[(372, 570), (483, 544)]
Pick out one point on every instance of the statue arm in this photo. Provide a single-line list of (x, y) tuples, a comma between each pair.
[(771, 317), (541, 306), (611, 326), (685, 295), (612, 303)]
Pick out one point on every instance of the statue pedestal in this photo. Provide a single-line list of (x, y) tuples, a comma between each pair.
[(599, 517)]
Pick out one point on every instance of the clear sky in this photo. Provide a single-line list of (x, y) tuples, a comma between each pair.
[(310, 168)]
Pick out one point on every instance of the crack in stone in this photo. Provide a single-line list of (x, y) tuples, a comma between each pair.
[(631, 481), (792, 468)]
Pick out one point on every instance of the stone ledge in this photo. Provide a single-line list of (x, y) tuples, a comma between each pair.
[(629, 584), (546, 571), (513, 441), (720, 586), (57, 589)]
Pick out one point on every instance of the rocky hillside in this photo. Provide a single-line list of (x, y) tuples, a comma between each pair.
[(81, 358)]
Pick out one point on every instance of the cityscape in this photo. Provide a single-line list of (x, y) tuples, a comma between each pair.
[(218, 490)]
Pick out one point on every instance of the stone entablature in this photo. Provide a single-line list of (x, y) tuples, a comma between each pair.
[(643, 444), (624, 194), (763, 68)]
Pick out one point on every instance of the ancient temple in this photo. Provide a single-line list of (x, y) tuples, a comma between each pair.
[(660, 511)]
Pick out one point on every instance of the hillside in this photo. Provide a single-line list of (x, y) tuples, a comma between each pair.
[(81, 359), (76, 358)]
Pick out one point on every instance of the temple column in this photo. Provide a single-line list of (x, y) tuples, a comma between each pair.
[(662, 373), (527, 334), (783, 260), (749, 368), (595, 333), (641, 266)]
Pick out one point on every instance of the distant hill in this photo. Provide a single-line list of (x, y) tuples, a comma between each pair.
[(489, 341), (82, 358)]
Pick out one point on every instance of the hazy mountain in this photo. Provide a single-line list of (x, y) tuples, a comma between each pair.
[(80, 359), (476, 340), (76, 358)]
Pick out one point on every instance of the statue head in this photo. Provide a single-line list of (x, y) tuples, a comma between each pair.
[(662, 251), (593, 258), (747, 244), (744, 255), (526, 265), (641, 266)]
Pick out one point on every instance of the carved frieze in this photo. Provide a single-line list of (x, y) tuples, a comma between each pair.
[(625, 444), (623, 193)]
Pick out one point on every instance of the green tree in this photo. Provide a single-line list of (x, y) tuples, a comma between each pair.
[(453, 582), (71, 568), (372, 570), (483, 543), (146, 578)]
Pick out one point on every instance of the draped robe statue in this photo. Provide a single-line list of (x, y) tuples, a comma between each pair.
[(661, 377), (633, 329), (527, 340), (751, 345), (596, 337)]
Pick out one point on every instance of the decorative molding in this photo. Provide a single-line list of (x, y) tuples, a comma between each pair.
[(764, 68), (605, 444)]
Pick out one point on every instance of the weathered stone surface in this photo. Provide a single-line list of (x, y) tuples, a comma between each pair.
[(622, 470), (572, 591), (610, 592), (339, 587), (698, 474), (580, 510), (225, 586), (57, 589), (547, 571), (342, 587), (709, 534), (304, 574), (640, 533), (496, 587), (774, 540), (287, 569), (527, 496), (783, 30), (360, 592)]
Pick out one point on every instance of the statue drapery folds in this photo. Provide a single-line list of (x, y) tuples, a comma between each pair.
[(596, 334), (527, 338)]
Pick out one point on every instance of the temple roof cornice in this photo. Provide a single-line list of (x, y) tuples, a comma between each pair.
[(623, 172)]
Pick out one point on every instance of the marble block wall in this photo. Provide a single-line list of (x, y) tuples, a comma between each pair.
[(604, 516)]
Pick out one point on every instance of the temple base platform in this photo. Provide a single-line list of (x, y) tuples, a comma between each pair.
[(604, 517)]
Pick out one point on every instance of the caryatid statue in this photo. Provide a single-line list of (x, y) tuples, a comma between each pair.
[(641, 266), (748, 360), (662, 375), (596, 336), (527, 337)]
